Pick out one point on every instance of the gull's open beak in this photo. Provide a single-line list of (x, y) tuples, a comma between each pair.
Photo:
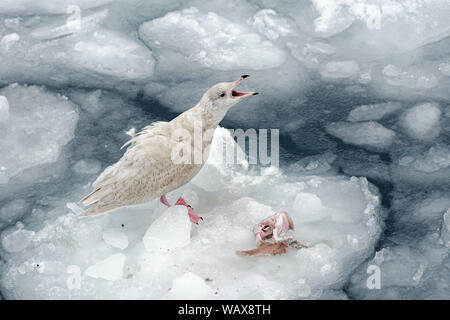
[(237, 94)]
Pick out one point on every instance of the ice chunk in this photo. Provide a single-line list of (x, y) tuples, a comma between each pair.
[(75, 208), (333, 18), (445, 229), (373, 111), (272, 25), (340, 69), (383, 26), (414, 260), (4, 109), (86, 56), (111, 268), (370, 134), (9, 39), (104, 52), (436, 158), (307, 207), (210, 40), (12, 211), (40, 7), (82, 24), (87, 166), (312, 54), (172, 230), (40, 123), (422, 121), (16, 239), (191, 197), (445, 68), (116, 238), (161, 246), (189, 286), (225, 155), (346, 238), (304, 290), (430, 167), (405, 273), (413, 78), (314, 164)]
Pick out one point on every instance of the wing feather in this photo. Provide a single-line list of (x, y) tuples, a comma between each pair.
[(144, 172)]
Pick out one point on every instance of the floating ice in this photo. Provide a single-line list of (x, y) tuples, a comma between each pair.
[(445, 68), (83, 24), (370, 134), (88, 55), (429, 167), (272, 25), (373, 111), (422, 121), (307, 207), (172, 230), (384, 26), (16, 239), (12, 211), (87, 166), (190, 197), (445, 229), (116, 238), (39, 124), (313, 54), (314, 164), (340, 69), (332, 18), (39, 7), (4, 109), (411, 270), (224, 154), (436, 158), (9, 40), (110, 269), (219, 44), (189, 286), (163, 253), (413, 78)]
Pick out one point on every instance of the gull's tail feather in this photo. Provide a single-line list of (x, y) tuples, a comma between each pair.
[(100, 209), (91, 198)]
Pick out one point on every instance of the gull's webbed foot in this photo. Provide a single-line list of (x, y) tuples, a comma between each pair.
[(195, 218), (164, 201)]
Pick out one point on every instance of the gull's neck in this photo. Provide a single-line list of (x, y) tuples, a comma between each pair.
[(201, 113)]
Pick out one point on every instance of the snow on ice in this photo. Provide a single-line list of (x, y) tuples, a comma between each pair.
[(37, 124)]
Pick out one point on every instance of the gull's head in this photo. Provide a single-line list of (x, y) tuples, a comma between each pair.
[(224, 95)]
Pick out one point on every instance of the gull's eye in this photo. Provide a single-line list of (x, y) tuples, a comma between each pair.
[(222, 94)]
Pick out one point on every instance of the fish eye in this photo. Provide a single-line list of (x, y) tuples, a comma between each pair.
[(222, 94)]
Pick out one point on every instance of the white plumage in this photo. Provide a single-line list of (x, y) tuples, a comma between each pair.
[(147, 171)]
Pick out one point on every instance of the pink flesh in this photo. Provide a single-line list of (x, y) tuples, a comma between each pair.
[(275, 226)]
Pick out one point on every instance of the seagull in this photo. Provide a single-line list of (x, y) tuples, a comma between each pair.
[(154, 164)]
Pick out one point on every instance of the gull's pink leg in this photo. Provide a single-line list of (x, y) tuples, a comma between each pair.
[(164, 201), (192, 215)]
